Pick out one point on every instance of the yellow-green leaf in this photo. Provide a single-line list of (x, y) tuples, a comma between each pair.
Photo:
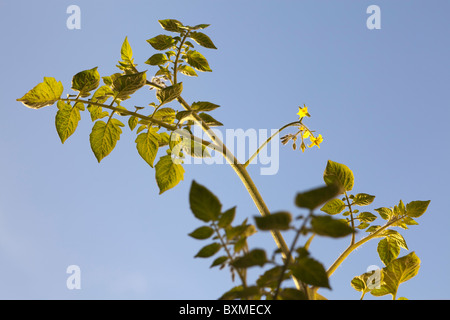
[(66, 120), (44, 94)]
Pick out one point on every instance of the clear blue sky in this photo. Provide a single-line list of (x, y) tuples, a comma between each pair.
[(378, 97)]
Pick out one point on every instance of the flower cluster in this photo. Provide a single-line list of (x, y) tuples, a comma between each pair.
[(303, 132)]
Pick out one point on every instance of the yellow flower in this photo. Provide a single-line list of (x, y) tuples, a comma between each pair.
[(316, 141), (306, 134), (303, 112)]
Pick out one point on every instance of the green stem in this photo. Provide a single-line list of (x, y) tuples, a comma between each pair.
[(268, 140), (351, 217), (150, 119), (354, 246), (175, 66), (288, 258), (245, 178), (241, 276)]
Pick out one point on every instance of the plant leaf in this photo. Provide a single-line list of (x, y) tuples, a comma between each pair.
[(168, 94), (336, 173), (256, 257), (363, 199), (203, 203), (227, 218), (171, 25), (204, 106), (415, 209), (66, 120), (388, 250), (196, 60), (161, 42), (398, 271), (147, 145), (209, 250), (86, 81), (210, 121), (202, 39), (125, 51), (313, 198), (275, 221), (104, 137), (44, 94), (328, 226), (157, 59), (310, 271), (125, 85), (333, 206), (202, 233), (187, 70), (168, 173)]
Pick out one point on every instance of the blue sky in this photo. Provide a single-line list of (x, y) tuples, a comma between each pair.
[(378, 97)]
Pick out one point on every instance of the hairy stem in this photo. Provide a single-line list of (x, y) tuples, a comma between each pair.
[(175, 64), (351, 218), (268, 140), (243, 175)]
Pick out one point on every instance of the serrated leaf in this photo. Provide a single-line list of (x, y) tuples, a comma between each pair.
[(161, 42), (337, 173), (147, 145), (398, 271), (157, 59), (388, 250), (168, 173), (385, 213), (196, 60), (274, 221), (44, 94), (333, 206), (227, 218), (104, 137), (187, 70), (328, 226), (202, 233), (204, 106), (203, 203), (86, 81), (363, 199), (292, 294), (168, 94), (66, 120), (209, 250), (415, 209), (310, 271), (313, 198), (256, 257), (366, 217), (126, 85), (202, 39), (171, 25), (165, 114)]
